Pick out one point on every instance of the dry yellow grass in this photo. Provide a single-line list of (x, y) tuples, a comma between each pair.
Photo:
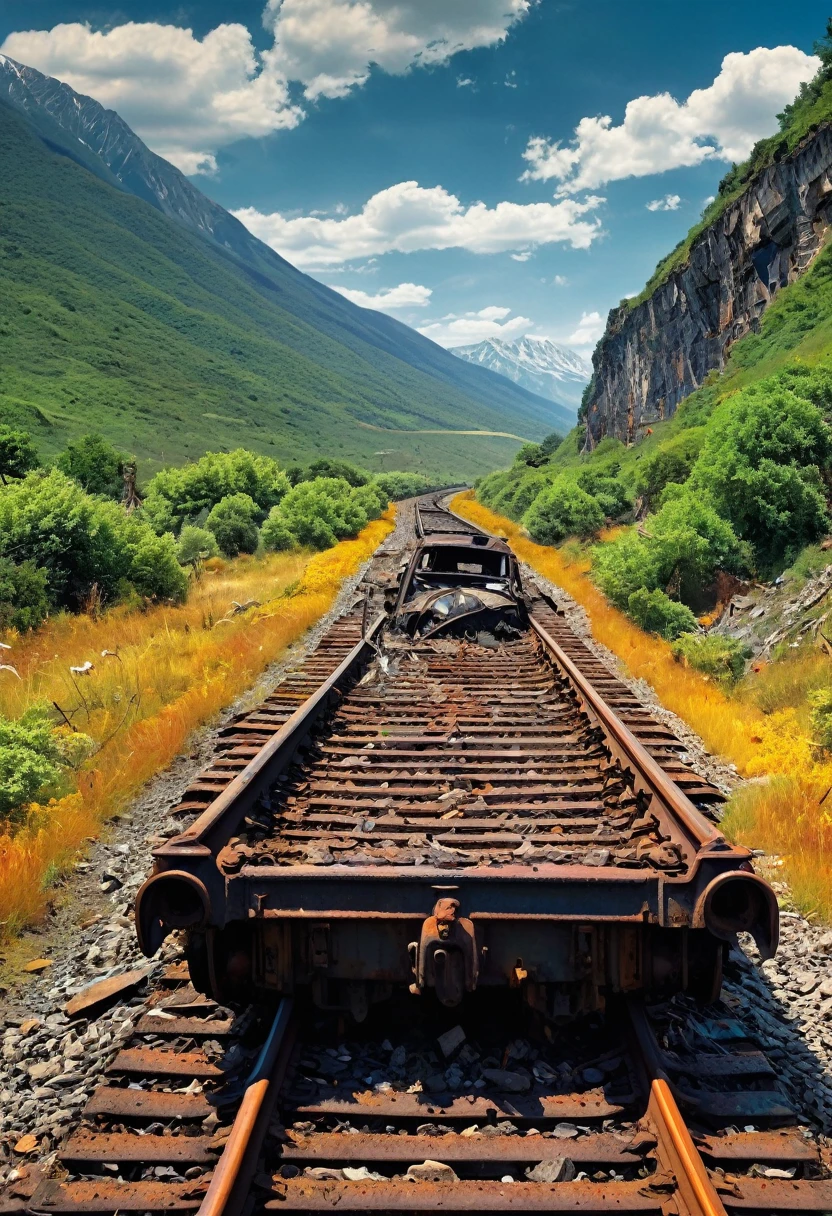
[(170, 670), (785, 810)]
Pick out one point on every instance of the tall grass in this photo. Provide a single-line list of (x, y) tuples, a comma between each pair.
[(166, 671), (785, 810)]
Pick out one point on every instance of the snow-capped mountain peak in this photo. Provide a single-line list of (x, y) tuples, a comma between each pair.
[(537, 364)]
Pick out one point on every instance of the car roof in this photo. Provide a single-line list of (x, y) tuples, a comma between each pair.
[(456, 540)]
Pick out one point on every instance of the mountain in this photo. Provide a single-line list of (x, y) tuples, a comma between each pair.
[(536, 364), (139, 307)]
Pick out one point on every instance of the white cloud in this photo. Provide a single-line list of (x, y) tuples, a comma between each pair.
[(390, 299), (463, 82), (408, 217), (722, 121), (331, 45), (187, 96), (521, 257), (510, 81), (462, 329), (588, 330), (560, 280), (670, 202)]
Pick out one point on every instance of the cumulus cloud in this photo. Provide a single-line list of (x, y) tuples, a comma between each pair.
[(560, 280), (187, 96), (462, 329), (588, 330), (331, 45), (521, 257), (390, 299), (670, 202), (464, 82), (408, 217), (722, 122)]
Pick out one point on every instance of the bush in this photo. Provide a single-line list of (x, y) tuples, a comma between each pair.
[(24, 599), (195, 546), (95, 464), (655, 612), (690, 541), (625, 565), (562, 510), (320, 512), (276, 534), (335, 468), (29, 761), (83, 542), (672, 461), (606, 489), (175, 496), (722, 658), (761, 465), (232, 522), (371, 499), (401, 485), (820, 717), (17, 454)]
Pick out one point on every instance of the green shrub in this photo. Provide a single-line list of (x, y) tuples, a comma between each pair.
[(177, 495), (18, 455), (401, 485), (95, 464), (370, 498), (690, 542), (562, 510), (324, 467), (657, 613), (761, 466), (24, 598), (276, 534), (672, 461), (820, 717), (624, 565), (607, 489), (30, 761), (232, 521), (154, 570), (722, 658), (320, 512), (195, 546)]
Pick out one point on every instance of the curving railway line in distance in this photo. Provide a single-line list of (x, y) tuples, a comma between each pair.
[(453, 914)]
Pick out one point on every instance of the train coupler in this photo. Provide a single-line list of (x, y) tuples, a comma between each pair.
[(445, 957)]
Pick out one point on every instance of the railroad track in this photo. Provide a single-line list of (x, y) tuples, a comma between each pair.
[(432, 517), (443, 759)]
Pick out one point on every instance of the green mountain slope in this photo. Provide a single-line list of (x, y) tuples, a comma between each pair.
[(114, 317)]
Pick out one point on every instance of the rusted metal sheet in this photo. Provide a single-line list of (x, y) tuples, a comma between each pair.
[(777, 1195), (146, 1104), (322, 1147), (150, 1061), (769, 1147), (93, 999), (86, 1145), (76, 1198), (309, 1195), (208, 1028)]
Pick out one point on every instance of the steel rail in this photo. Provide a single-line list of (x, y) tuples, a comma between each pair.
[(244, 1143)]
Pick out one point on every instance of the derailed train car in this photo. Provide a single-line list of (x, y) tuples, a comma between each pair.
[(440, 799)]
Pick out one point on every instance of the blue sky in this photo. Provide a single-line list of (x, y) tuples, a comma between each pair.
[(421, 154)]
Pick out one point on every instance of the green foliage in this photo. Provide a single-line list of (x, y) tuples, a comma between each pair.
[(84, 542), (233, 523), (325, 467), (318, 513), (657, 613), (30, 761), (24, 600), (761, 466), (401, 485), (625, 565), (17, 454), (276, 534), (820, 717), (371, 499), (606, 488), (810, 90), (179, 494), (95, 464), (672, 461), (562, 510), (195, 546), (722, 658)]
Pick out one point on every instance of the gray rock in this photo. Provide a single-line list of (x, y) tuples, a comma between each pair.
[(432, 1171), (506, 1081), (559, 1169)]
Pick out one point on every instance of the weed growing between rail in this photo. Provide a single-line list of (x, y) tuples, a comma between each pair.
[(157, 675), (787, 808)]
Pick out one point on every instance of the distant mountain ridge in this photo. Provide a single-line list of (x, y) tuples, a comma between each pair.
[(99, 139), (537, 364)]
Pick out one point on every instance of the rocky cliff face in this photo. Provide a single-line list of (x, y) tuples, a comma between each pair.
[(652, 356)]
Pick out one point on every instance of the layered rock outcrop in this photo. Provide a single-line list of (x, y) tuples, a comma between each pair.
[(652, 356)]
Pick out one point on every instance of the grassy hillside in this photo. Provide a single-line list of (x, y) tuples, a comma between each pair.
[(113, 318)]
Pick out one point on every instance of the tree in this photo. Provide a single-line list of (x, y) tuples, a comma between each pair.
[(325, 467), (179, 495), (24, 599), (232, 522), (276, 534), (562, 509), (401, 485), (95, 464), (760, 465), (672, 461), (195, 546), (29, 760), (657, 613), (18, 455)]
